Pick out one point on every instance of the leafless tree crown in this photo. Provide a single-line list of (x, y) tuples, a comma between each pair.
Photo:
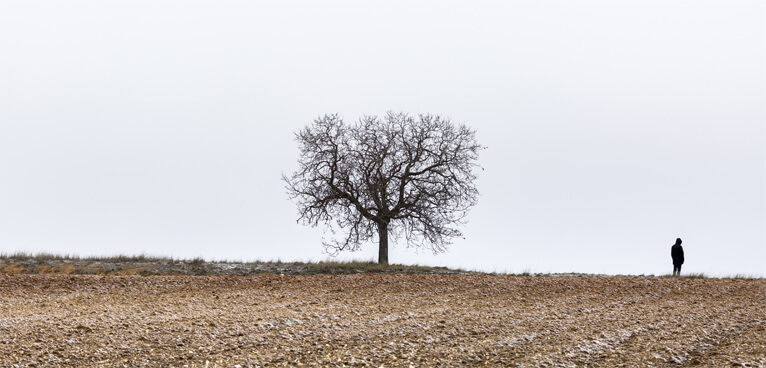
[(408, 176)]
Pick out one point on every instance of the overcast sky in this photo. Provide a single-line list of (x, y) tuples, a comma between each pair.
[(613, 127)]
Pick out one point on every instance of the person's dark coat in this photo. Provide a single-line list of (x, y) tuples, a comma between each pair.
[(677, 252)]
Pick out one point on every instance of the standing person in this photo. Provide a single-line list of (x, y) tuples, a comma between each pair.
[(677, 252)]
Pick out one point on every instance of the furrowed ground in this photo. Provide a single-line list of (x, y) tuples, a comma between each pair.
[(390, 320)]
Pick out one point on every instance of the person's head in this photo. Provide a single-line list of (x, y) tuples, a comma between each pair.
[(678, 241)]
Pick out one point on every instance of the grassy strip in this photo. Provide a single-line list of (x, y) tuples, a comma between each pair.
[(146, 265), (27, 263), (44, 257)]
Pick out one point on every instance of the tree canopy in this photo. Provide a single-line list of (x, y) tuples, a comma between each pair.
[(412, 177)]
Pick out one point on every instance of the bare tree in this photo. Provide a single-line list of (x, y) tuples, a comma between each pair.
[(406, 176)]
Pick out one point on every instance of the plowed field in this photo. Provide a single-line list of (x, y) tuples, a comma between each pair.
[(393, 320)]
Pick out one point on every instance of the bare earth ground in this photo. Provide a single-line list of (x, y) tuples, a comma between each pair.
[(390, 320)]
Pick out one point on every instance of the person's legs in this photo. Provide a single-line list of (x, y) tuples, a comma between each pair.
[(676, 269)]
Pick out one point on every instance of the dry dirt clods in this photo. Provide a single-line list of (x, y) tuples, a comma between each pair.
[(374, 320)]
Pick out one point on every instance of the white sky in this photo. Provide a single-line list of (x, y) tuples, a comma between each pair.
[(613, 127)]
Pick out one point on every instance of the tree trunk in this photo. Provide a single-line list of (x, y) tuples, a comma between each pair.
[(382, 243)]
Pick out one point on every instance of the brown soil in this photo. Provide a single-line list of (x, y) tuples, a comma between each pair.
[(389, 320)]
